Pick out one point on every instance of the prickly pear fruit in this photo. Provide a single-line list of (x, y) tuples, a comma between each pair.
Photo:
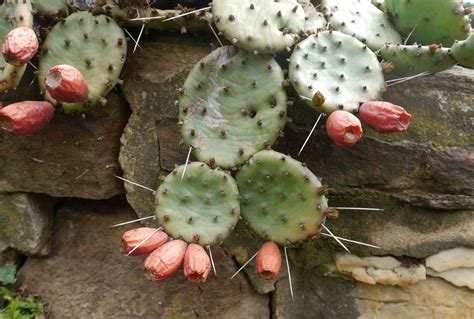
[(20, 45), (343, 128), (384, 117), (268, 261), (164, 261), (65, 83), (197, 264), (25, 118), (131, 238)]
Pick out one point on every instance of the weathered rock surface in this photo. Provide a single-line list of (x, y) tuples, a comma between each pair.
[(87, 276), (150, 143), (461, 277), (379, 270), (451, 259), (72, 157), (318, 297), (26, 224)]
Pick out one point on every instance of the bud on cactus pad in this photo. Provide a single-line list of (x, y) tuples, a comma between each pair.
[(197, 264), (201, 207), (95, 45), (429, 21), (414, 59), (463, 51), (233, 106), (65, 83), (268, 261), (343, 128), (361, 19), (25, 118), (264, 26), (131, 238), (19, 46), (384, 117), (165, 261), (12, 15), (280, 198), (340, 67)]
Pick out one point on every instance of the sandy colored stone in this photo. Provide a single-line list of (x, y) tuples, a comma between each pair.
[(450, 259), (26, 224), (432, 298), (87, 276), (379, 270), (461, 277)]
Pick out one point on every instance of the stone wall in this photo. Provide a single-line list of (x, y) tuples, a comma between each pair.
[(422, 179)]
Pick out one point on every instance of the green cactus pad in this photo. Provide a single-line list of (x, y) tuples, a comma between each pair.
[(51, 7), (429, 21), (93, 44), (233, 105), (361, 19), (264, 26), (315, 20), (463, 52), (280, 198), (414, 59), (12, 15), (339, 67), (202, 207)]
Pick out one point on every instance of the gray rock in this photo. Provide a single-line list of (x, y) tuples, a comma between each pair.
[(72, 157), (26, 223), (87, 276), (150, 142)]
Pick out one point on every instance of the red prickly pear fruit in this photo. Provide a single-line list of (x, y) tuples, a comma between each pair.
[(164, 261), (131, 238), (384, 117), (20, 46), (65, 83), (25, 118), (268, 261), (343, 128), (197, 264)]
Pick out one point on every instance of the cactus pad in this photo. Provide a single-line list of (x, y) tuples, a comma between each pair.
[(338, 66), (51, 7), (414, 59), (429, 21), (463, 51), (264, 26), (361, 19), (280, 198), (233, 105), (203, 207), (315, 20), (93, 44), (12, 16)]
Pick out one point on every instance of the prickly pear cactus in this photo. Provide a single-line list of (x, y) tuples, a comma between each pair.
[(315, 20), (202, 207), (93, 44), (12, 15), (264, 26), (414, 59), (233, 105), (463, 51), (51, 7), (429, 21), (361, 19), (337, 67), (281, 199)]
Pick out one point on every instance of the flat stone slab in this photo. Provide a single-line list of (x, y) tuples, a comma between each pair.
[(71, 157), (87, 276)]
